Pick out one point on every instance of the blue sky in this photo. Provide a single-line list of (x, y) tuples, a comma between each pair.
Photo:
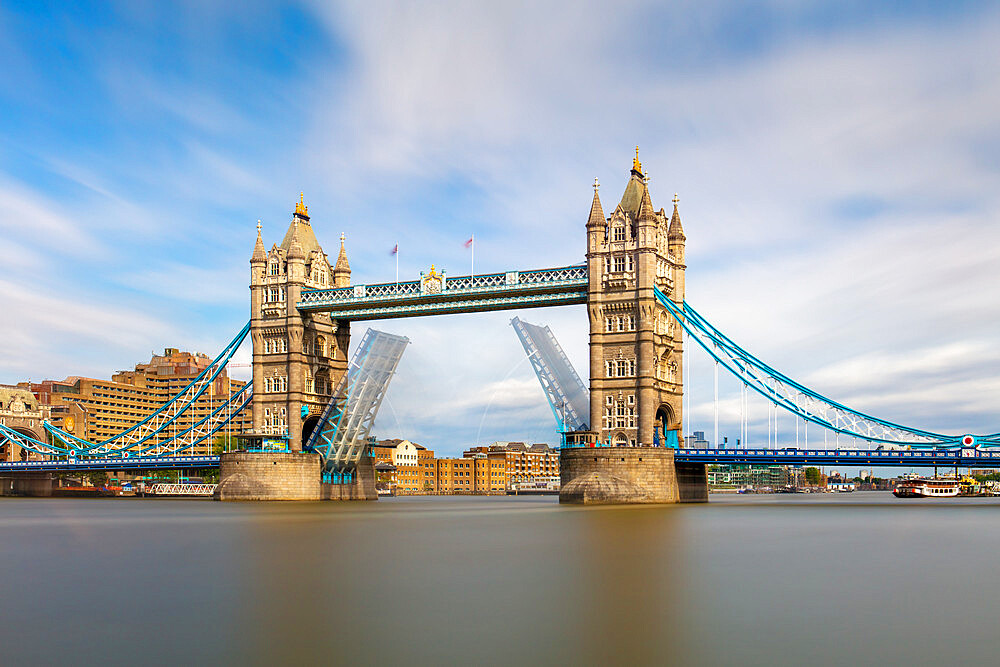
[(836, 163)]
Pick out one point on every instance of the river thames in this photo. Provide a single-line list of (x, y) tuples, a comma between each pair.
[(859, 578)]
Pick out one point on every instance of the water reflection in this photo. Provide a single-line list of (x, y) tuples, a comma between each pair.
[(760, 580)]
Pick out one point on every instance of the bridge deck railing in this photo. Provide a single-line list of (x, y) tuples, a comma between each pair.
[(506, 282)]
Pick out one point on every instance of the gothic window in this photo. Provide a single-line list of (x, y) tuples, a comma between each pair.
[(631, 400), (611, 370), (622, 368), (631, 417), (621, 324), (619, 264), (620, 421), (631, 323), (631, 367), (607, 264), (267, 346), (609, 324), (321, 346), (619, 233), (273, 270), (629, 266)]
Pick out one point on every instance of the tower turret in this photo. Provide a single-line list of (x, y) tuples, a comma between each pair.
[(342, 269)]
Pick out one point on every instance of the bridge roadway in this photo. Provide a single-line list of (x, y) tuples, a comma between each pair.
[(112, 463), (975, 458), (968, 457)]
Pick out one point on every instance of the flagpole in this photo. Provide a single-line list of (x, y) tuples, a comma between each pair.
[(473, 269), (397, 265)]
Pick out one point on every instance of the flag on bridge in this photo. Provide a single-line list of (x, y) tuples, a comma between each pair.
[(468, 244), (395, 250)]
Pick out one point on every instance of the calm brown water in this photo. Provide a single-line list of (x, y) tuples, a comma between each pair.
[(745, 580)]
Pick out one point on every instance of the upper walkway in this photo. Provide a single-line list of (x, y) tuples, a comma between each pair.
[(436, 294)]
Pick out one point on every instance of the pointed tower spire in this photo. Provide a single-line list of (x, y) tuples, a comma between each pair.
[(675, 230), (342, 270), (259, 253), (646, 212), (596, 218)]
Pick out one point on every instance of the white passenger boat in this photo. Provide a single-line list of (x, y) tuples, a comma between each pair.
[(926, 488)]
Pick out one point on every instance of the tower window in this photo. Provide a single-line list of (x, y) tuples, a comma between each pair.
[(618, 233), (619, 264)]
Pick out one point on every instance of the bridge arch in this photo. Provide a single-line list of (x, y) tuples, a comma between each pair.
[(665, 421), (11, 451), (308, 426)]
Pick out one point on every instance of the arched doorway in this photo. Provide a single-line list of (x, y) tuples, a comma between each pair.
[(663, 434), (308, 426)]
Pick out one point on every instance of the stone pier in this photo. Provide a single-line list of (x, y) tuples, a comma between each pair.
[(628, 475), (287, 476), (34, 484)]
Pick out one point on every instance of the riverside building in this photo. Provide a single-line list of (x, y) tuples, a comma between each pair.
[(96, 410)]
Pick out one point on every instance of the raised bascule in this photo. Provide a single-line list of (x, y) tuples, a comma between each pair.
[(302, 307), (313, 408)]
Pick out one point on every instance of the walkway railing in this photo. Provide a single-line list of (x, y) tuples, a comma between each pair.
[(435, 293)]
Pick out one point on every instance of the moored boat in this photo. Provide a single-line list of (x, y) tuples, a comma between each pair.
[(926, 488)]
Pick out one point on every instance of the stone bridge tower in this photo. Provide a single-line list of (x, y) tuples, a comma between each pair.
[(297, 358), (636, 360), (635, 345)]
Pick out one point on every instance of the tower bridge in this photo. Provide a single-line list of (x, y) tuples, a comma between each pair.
[(312, 408)]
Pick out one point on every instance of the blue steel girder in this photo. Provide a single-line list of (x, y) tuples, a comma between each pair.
[(112, 463), (967, 457), (493, 291)]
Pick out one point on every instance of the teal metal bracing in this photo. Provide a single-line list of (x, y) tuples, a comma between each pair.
[(436, 294), (804, 402), (341, 436), (152, 435), (566, 393)]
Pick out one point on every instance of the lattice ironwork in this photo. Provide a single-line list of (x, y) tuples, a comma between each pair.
[(358, 296), (154, 435), (427, 307), (341, 436), (803, 402), (566, 393)]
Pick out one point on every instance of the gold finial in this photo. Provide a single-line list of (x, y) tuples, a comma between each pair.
[(301, 208), (343, 237), (596, 184), (258, 225), (635, 163), (676, 199)]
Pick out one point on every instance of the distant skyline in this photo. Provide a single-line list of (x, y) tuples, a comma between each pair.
[(836, 164)]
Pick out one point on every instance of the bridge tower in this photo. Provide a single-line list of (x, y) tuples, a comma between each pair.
[(635, 346), (636, 357), (298, 358)]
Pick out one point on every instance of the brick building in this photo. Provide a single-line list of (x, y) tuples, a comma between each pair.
[(96, 410)]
